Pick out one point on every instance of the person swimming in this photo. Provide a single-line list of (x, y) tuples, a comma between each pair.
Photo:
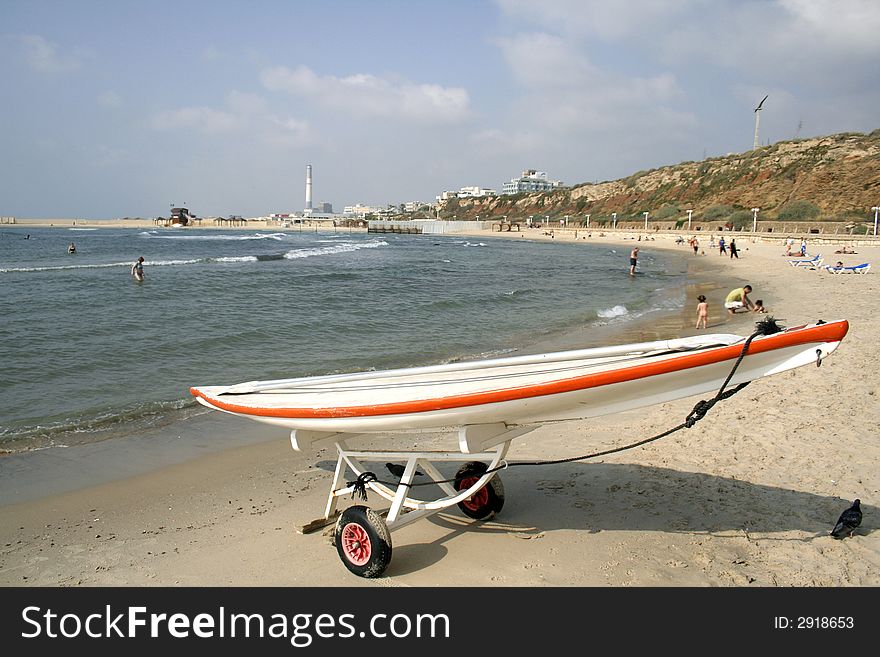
[(71, 248)]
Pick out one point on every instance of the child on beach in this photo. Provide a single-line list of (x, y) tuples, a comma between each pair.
[(759, 307), (702, 311)]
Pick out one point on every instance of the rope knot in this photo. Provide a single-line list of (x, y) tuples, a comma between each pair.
[(359, 487), (699, 412)]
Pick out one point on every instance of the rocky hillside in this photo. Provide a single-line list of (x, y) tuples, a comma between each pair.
[(835, 178)]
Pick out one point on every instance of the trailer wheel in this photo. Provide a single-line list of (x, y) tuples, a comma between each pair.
[(363, 541), (487, 501)]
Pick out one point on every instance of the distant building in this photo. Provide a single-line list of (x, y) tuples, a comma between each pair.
[(413, 206), (181, 216), (361, 210), (476, 191), (531, 181), (445, 196)]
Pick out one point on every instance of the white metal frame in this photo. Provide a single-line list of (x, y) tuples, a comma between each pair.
[(487, 443)]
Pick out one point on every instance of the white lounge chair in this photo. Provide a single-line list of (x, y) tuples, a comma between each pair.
[(815, 261), (854, 269)]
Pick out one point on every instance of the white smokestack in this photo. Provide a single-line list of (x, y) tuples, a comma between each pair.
[(308, 187)]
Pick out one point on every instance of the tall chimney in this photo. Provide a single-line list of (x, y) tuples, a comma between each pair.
[(308, 187)]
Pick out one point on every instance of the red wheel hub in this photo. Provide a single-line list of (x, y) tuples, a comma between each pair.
[(356, 544), (479, 499)]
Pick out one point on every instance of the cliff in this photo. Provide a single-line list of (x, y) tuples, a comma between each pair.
[(833, 178)]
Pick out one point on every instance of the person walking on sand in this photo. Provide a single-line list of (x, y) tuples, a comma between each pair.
[(702, 311), (721, 250), (137, 269), (739, 298), (633, 261), (733, 253)]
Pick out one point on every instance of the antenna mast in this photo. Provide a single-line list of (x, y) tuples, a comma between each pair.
[(758, 120)]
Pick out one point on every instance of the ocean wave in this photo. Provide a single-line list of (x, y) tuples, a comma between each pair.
[(235, 259), (332, 250), (153, 234), (616, 311), (65, 267), (290, 255), (94, 428)]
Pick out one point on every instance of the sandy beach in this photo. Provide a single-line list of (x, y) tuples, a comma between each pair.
[(745, 498)]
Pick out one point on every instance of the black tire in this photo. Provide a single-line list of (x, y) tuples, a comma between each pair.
[(487, 501), (363, 541)]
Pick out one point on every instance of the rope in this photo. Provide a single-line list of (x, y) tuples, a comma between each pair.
[(767, 326)]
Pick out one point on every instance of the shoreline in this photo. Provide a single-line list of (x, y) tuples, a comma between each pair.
[(745, 498)]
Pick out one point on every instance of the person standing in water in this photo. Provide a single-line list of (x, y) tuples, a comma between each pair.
[(702, 312), (633, 261), (137, 269)]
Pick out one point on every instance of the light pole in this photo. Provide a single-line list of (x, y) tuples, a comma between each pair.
[(876, 209), (755, 219), (690, 212), (614, 220), (588, 221), (646, 221)]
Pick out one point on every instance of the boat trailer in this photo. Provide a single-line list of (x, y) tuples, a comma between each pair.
[(361, 536)]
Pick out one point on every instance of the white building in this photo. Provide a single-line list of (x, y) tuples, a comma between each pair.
[(531, 181), (476, 191), (362, 210)]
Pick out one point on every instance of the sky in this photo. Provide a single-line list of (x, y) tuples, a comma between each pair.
[(125, 108)]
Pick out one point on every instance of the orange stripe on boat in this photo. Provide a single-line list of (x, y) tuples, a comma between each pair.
[(830, 332)]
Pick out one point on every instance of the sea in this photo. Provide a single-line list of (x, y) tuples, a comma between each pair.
[(89, 353)]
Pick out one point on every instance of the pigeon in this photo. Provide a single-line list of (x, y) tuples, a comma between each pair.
[(848, 521), (397, 470)]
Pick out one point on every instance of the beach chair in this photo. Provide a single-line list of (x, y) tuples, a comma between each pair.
[(854, 269), (815, 261)]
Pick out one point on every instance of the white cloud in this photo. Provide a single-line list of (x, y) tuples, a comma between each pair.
[(288, 132), (44, 56), (245, 104), (203, 119), (607, 20), (243, 114), (365, 94), (564, 89), (848, 24), (541, 59)]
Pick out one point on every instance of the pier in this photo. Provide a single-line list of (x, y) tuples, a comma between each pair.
[(395, 228)]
